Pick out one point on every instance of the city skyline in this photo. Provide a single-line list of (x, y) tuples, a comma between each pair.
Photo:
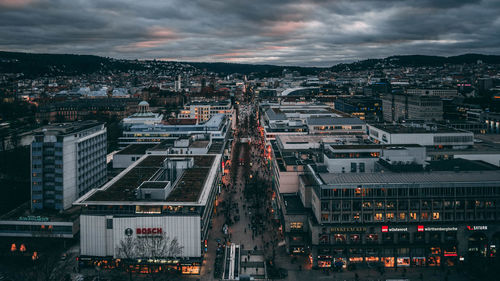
[(303, 33)]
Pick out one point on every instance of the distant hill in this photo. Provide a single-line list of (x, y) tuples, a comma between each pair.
[(33, 65), (64, 64), (50, 64), (417, 61)]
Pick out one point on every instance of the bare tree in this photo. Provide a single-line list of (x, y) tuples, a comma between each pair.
[(151, 247)]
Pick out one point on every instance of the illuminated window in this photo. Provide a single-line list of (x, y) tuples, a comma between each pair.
[(435, 215), (296, 225), (367, 204), (358, 190), (148, 210), (389, 216), (424, 216), (378, 216), (324, 217), (402, 216), (413, 216)]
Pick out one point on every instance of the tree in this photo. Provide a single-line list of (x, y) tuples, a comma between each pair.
[(153, 247)]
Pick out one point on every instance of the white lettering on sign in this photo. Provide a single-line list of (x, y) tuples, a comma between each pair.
[(438, 228), (477, 227)]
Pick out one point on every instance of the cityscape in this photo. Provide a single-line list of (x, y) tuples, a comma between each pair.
[(261, 140)]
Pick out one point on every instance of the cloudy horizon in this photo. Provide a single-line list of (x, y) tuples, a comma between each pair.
[(302, 33)]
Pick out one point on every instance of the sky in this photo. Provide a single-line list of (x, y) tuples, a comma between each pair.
[(281, 32)]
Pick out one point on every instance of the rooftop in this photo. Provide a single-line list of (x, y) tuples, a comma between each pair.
[(293, 204), (23, 213), (430, 178), (177, 121), (372, 146), (199, 144), (188, 188), (460, 165), (135, 149), (334, 121), (408, 129), (67, 128)]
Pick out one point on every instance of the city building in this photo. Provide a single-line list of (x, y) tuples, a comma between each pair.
[(403, 215), (298, 118), (436, 92), (142, 116), (335, 125), (204, 110), (170, 196), (430, 135), (67, 160), (80, 109), (217, 127), (399, 107), (366, 108)]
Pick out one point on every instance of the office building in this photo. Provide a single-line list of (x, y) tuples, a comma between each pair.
[(217, 127), (202, 111), (435, 92), (399, 107), (430, 135), (67, 160), (402, 215)]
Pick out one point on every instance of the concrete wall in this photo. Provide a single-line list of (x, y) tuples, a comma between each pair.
[(97, 240), (288, 182)]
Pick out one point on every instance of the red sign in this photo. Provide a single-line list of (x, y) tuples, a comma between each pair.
[(154, 230), (385, 228), (420, 228)]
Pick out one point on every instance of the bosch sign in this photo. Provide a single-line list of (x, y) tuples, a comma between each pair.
[(149, 230)]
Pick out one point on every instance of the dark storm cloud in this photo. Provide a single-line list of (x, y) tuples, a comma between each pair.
[(290, 32)]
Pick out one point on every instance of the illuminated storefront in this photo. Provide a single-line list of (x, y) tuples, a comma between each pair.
[(388, 261), (418, 261), (191, 268), (403, 261)]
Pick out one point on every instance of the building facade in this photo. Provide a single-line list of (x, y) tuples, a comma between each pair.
[(397, 219), (157, 197), (67, 160), (203, 111), (398, 107)]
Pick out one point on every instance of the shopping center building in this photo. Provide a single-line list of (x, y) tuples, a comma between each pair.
[(163, 195), (397, 216)]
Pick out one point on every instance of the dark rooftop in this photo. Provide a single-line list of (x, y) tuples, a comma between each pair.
[(136, 149), (188, 188), (154, 184), (67, 128), (24, 211), (293, 204), (190, 185), (372, 146), (401, 129), (216, 147), (177, 121), (459, 164)]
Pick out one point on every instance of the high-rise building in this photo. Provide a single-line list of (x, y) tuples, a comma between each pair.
[(178, 84), (67, 160), (398, 107)]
